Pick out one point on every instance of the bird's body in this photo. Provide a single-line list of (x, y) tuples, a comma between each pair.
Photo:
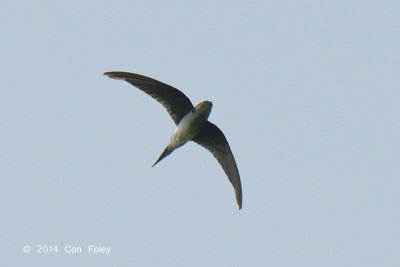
[(187, 128), (192, 124)]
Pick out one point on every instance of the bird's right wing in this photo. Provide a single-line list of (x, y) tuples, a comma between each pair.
[(212, 138), (176, 103)]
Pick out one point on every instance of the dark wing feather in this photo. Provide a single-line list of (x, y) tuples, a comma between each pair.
[(176, 103), (212, 138)]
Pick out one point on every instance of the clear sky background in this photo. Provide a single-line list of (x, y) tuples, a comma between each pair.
[(306, 92)]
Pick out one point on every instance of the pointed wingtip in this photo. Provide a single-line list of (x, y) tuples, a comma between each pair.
[(238, 194), (109, 74), (115, 75), (240, 205)]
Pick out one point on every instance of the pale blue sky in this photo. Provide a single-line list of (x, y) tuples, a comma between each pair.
[(306, 92)]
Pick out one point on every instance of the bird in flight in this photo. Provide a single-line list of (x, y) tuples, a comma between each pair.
[(191, 124)]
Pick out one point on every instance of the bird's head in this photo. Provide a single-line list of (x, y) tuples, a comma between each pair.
[(204, 108), (205, 105)]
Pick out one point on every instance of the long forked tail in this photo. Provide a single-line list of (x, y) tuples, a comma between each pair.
[(165, 153)]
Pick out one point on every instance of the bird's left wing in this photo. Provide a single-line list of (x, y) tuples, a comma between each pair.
[(212, 138), (176, 103)]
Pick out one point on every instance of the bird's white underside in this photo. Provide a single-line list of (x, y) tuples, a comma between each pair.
[(189, 126)]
